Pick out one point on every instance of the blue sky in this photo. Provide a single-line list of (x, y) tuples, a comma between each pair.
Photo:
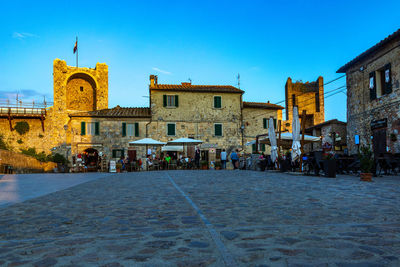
[(209, 42)]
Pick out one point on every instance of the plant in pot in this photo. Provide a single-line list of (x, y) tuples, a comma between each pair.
[(218, 165), (330, 165), (366, 163), (118, 167), (204, 164)]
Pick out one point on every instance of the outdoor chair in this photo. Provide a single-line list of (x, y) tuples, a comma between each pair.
[(172, 165), (156, 165)]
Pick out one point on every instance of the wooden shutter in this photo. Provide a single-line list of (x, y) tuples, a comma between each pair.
[(171, 129), (217, 102), (164, 100), (124, 129), (388, 84), (274, 123), (265, 122), (97, 128), (83, 128), (114, 153), (176, 101), (262, 147), (218, 130), (372, 91), (253, 147), (136, 129)]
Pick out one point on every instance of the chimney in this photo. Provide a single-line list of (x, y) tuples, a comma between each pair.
[(186, 84), (153, 80)]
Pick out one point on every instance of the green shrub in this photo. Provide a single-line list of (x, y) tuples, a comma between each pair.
[(366, 159), (58, 158), (3, 144), (22, 127), (19, 141)]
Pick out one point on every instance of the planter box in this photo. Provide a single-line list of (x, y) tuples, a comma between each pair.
[(330, 168), (366, 177)]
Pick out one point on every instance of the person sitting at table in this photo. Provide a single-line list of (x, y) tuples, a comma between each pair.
[(149, 162)]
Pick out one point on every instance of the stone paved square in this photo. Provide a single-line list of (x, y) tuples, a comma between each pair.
[(207, 218)]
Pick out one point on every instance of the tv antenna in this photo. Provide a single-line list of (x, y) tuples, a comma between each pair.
[(238, 80)]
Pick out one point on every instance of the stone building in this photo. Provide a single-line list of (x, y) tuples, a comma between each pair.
[(81, 122), (307, 96), (373, 97), (333, 136)]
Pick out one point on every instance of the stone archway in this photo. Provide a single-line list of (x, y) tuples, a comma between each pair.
[(91, 157), (81, 92)]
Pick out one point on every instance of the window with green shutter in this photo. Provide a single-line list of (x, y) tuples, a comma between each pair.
[(164, 100), (263, 147), (217, 102), (83, 128), (265, 123), (97, 128), (176, 101), (218, 129), (171, 129), (253, 148), (136, 129), (124, 129), (274, 123)]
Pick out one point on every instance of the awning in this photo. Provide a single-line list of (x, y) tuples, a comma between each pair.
[(172, 148)]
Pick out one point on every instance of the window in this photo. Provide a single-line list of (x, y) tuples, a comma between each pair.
[(262, 147), (317, 105), (217, 102), (130, 129), (217, 129), (170, 101), (81, 88), (171, 129), (265, 123), (90, 128), (294, 100), (380, 82), (117, 153)]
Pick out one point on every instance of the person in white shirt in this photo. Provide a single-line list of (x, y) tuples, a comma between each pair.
[(223, 159)]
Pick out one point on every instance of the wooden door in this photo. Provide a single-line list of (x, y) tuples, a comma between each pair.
[(132, 154), (379, 141)]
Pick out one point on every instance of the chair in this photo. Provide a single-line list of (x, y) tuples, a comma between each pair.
[(172, 164), (156, 164)]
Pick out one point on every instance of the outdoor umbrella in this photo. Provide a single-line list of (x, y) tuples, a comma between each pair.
[(185, 141), (287, 140), (147, 141), (272, 139), (296, 146)]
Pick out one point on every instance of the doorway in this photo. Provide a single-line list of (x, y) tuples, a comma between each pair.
[(91, 157), (379, 141)]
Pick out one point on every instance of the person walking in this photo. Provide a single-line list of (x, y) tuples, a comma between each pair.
[(197, 158), (234, 158), (223, 159)]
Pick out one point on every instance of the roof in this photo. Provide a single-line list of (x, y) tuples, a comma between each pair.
[(116, 112), (370, 51), (261, 105), (188, 87), (334, 121)]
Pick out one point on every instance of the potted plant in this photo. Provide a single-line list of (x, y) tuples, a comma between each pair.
[(218, 165), (204, 164), (330, 165), (118, 167), (366, 164)]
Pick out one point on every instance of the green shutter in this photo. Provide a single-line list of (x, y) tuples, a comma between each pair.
[(176, 101), (262, 147), (265, 121), (136, 129), (253, 147), (83, 128), (218, 130), (274, 123), (124, 129), (97, 128), (217, 102), (372, 91), (165, 100), (171, 129), (388, 85)]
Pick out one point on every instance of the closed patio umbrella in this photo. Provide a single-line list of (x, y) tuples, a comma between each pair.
[(272, 139), (296, 146)]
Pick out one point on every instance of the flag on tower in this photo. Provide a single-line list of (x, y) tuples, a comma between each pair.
[(76, 45)]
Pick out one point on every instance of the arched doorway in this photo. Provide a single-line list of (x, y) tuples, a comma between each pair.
[(91, 158)]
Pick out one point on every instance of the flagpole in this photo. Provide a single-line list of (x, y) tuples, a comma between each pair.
[(77, 51)]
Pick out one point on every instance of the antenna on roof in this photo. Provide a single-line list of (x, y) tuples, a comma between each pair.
[(238, 78), (190, 80)]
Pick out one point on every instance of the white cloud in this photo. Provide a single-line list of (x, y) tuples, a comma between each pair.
[(162, 71), (23, 35)]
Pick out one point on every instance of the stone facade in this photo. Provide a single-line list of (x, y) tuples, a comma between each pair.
[(327, 130), (307, 96), (373, 97)]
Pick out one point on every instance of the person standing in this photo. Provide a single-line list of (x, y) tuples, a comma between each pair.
[(234, 158), (197, 157), (223, 159)]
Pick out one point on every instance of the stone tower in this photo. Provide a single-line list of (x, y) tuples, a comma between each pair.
[(79, 89), (307, 96)]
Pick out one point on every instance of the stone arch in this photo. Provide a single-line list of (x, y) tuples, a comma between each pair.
[(81, 92)]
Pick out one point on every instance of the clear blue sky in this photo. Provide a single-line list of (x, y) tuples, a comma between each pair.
[(207, 41)]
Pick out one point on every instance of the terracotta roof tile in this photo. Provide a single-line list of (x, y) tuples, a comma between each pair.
[(261, 105), (187, 87), (117, 112), (368, 52)]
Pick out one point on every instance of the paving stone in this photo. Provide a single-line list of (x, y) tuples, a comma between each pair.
[(229, 234), (45, 262), (166, 234), (198, 244)]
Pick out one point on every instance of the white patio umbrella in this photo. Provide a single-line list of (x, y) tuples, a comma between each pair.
[(147, 141), (272, 139), (286, 139), (296, 146), (185, 141)]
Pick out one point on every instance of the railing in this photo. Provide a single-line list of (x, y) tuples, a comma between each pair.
[(23, 108), (22, 111)]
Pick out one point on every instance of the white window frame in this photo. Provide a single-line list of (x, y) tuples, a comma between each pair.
[(222, 130), (168, 127), (90, 128), (128, 125)]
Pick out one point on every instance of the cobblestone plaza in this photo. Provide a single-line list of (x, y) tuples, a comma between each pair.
[(204, 218)]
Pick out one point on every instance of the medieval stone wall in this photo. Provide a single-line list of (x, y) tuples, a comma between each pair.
[(361, 110)]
